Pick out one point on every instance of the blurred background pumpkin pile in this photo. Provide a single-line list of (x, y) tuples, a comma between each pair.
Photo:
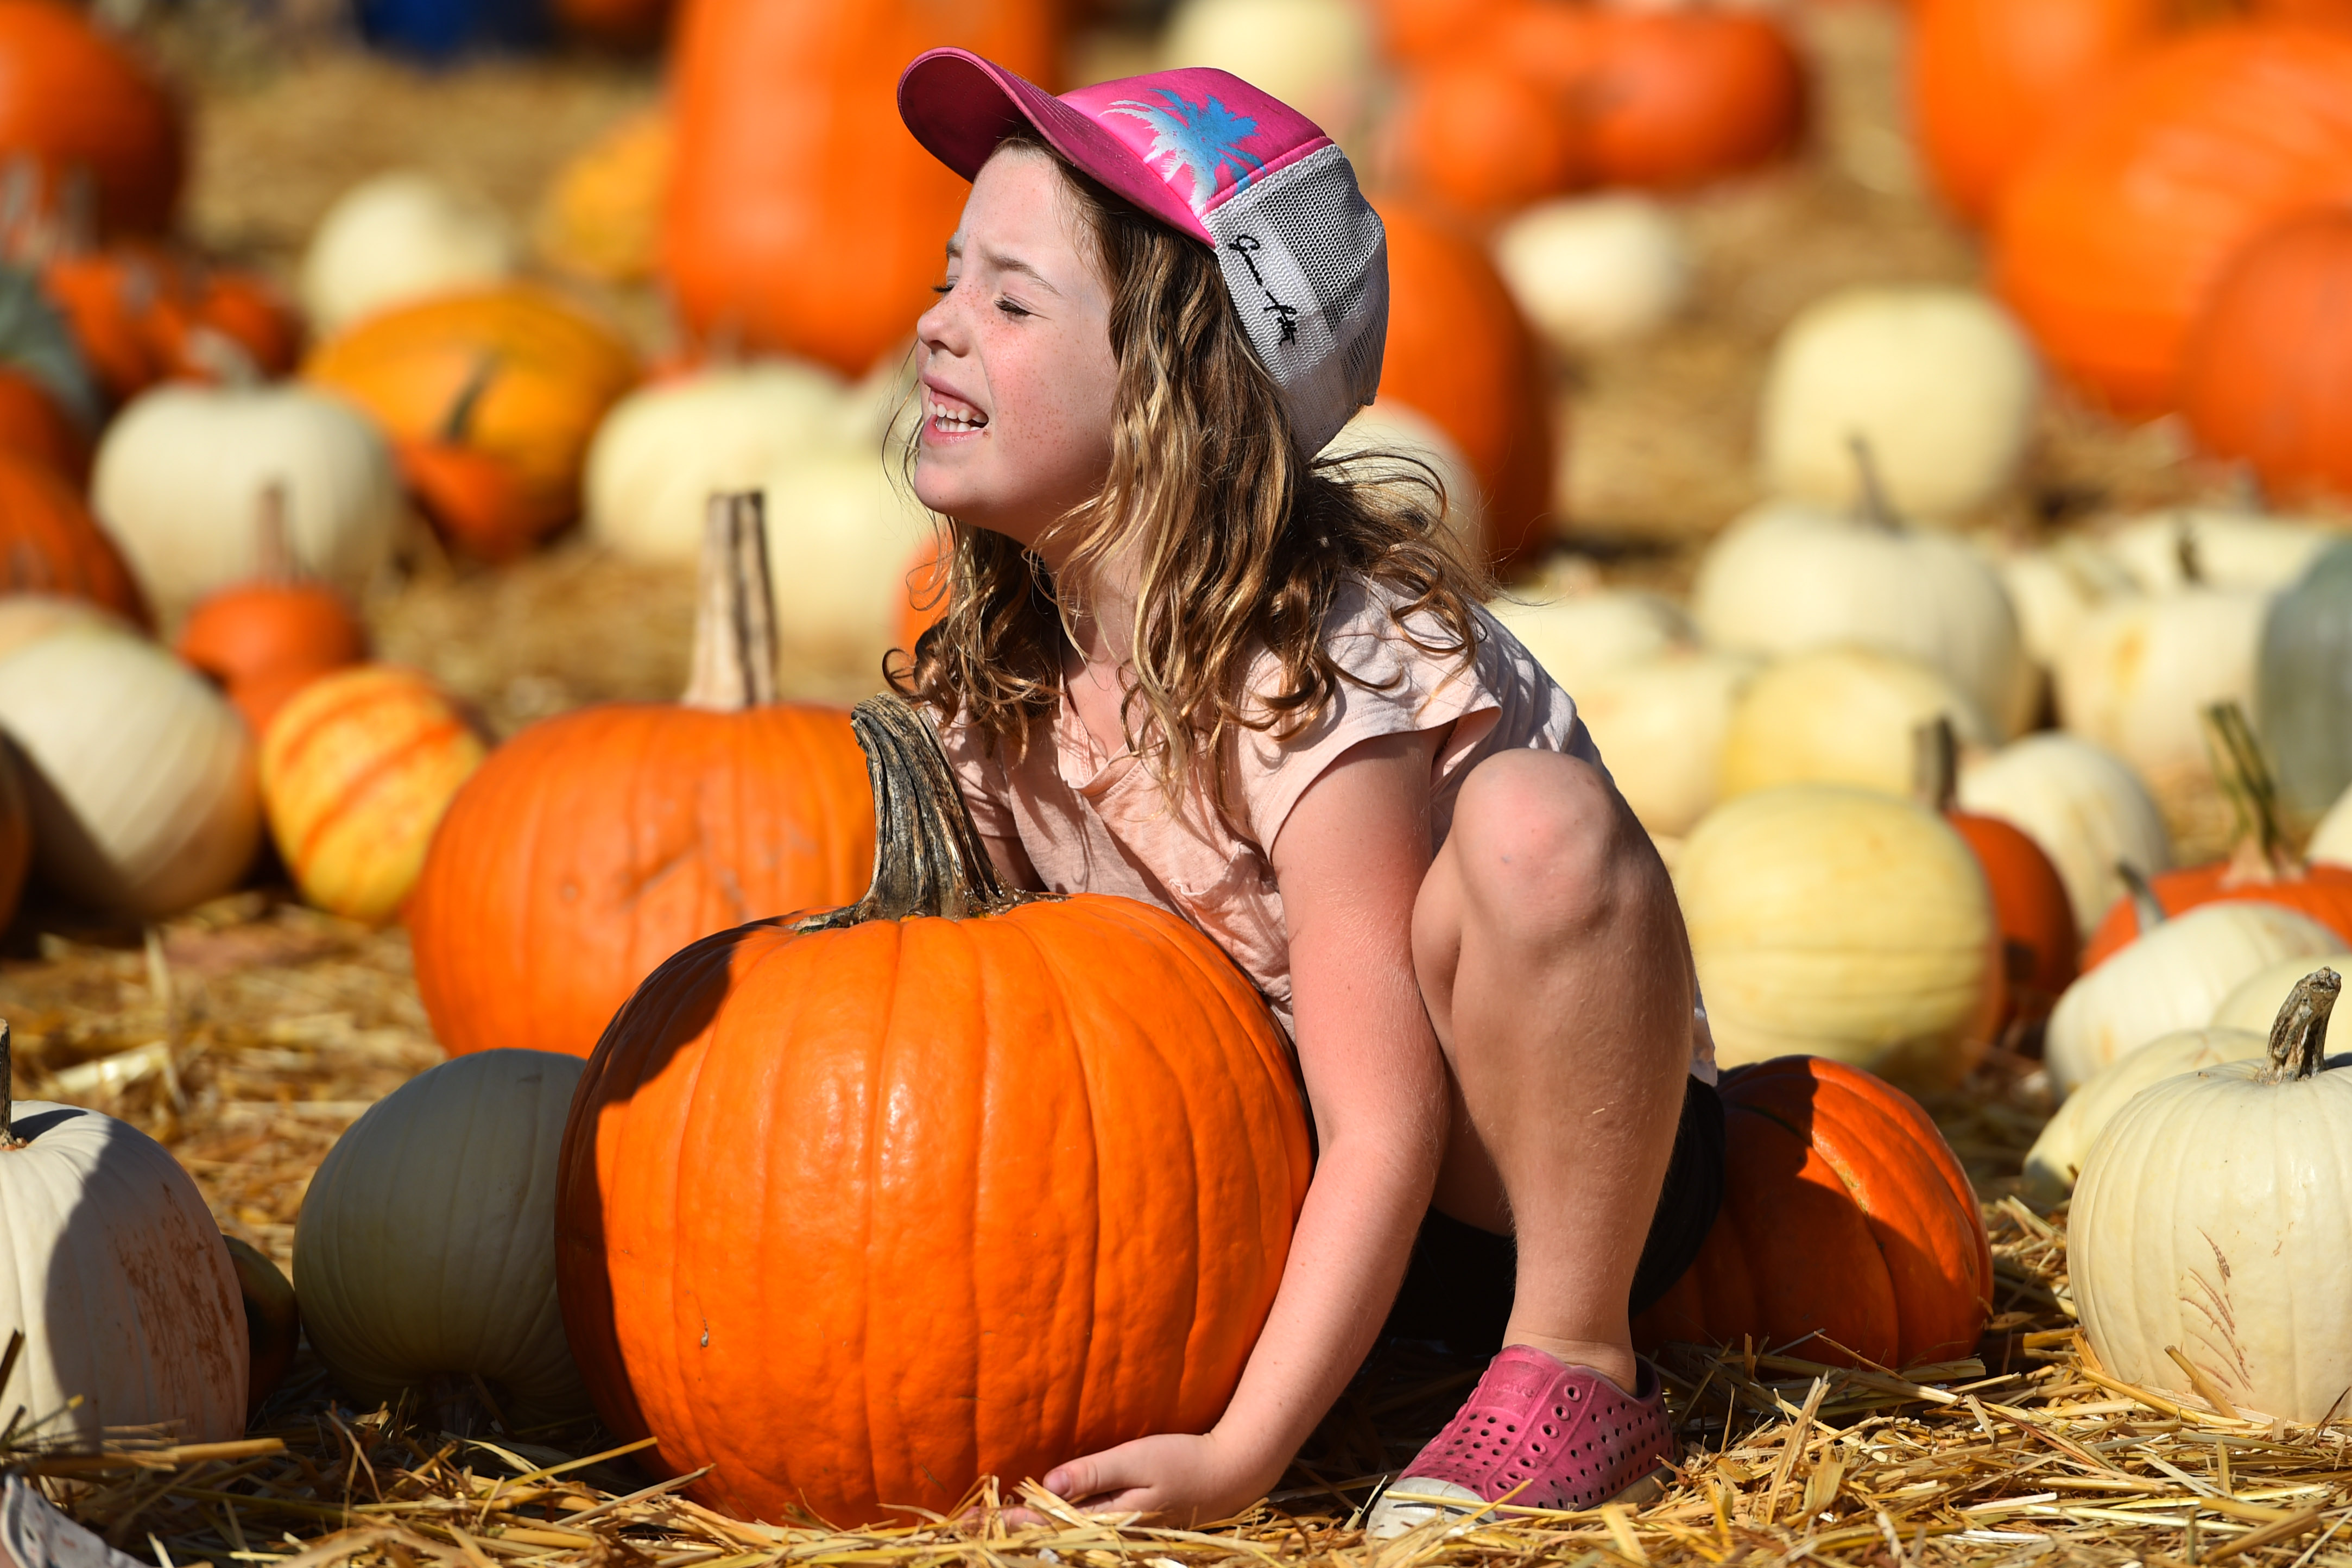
[(1918, 435)]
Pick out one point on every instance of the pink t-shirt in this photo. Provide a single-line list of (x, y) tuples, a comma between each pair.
[(1094, 823)]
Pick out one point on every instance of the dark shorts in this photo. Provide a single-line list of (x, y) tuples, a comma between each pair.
[(1458, 1289)]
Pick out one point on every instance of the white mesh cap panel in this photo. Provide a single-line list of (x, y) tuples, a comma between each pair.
[(1307, 260)]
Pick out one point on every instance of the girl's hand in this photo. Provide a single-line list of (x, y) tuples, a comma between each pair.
[(1172, 1478)]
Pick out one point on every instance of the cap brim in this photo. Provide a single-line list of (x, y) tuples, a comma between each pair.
[(960, 106)]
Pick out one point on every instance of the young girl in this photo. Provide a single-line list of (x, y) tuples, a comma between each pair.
[(1184, 663)]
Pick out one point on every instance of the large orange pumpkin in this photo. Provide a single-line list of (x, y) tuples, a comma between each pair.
[(1845, 1215), (1990, 78), (143, 315), (801, 215), (49, 542), (595, 843), (266, 638), (1476, 136), (1676, 98), (85, 112), (2110, 239), (489, 396), (2266, 378), (1459, 350), (860, 1208), (2262, 864)]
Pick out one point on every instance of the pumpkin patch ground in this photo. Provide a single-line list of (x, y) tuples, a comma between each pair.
[(250, 1033)]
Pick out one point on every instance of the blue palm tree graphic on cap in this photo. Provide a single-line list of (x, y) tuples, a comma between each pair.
[(1204, 138)]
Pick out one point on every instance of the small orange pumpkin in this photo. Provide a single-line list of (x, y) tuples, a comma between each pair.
[(49, 542), (265, 639), (356, 770), (2029, 904), (1845, 1215), (32, 425), (2265, 378), (927, 593), (80, 107), (1417, 31), (1476, 136), (1676, 98), (143, 315)]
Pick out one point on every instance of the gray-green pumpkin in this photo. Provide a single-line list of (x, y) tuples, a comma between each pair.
[(2303, 690)]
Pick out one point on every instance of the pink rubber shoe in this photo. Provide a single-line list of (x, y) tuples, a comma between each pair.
[(1564, 1436)]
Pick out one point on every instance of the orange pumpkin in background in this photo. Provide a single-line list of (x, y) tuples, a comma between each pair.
[(997, 1189), (927, 593), (595, 843), (1477, 137), (2266, 378), (49, 542), (489, 396), (266, 638), (143, 315), (33, 426), (801, 216), (1672, 99), (1417, 31), (1460, 351), (85, 110), (2030, 903), (1845, 1215), (1990, 78), (2109, 241)]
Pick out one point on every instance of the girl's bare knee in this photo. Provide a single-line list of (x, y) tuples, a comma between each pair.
[(1545, 847)]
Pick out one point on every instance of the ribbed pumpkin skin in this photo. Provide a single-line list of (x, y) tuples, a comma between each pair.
[(801, 216), (356, 769), (862, 1214), (2030, 907), (1845, 1214), (2109, 239), (49, 542), (2266, 378), (72, 97), (594, 845)]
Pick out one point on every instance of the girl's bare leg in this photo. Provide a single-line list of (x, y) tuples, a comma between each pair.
[(1552, 957)]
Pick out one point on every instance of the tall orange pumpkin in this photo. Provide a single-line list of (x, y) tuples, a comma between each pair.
[(1845, 1215), (49, 542), (2267, 376), (801, 215), (2110, 239), (489, 396), (1990, 78), (595, 843), (83, 109), (1459, 350), (953, 1182)]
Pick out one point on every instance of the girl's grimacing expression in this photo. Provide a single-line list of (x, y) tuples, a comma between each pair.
[(1018, 377)]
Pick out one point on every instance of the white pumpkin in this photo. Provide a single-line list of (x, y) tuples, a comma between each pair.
[(1937, 381), (1661, 725), (1317, 55), (2168, 979), (2214, 1218), (1580, 630), (2138, 677), (667, 448), (2255, 1001), (2219, 549), (1844, 924), (116, 1272), (2081, 805), (399, 236), (2055, 589), (1786, 578), (1394, 427), (181, 475), (140, 775), (28, 617), (841, 533), (1840, 715), (1592, 271), (426, 1243), (2057, 1158), (2332, 840)]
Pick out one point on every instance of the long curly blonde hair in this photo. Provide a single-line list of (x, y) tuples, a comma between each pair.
[(1240, 542)]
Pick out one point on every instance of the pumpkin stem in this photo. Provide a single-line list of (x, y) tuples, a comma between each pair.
[(928, 856), (2299, 1034), (2185, 552), (735, 629), (2260, 853), (2148, 909), (459, 420), (1876, 507), (273, 548), (1936, 764), (9, 1139)]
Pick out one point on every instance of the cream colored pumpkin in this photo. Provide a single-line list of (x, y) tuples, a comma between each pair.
[(1578, 629), (2214, 1218), (2054, 590), (2168, 979), (2082, 804), (1317, 55), (667, 448), (1787, 578), (1595, 271), (1845, 923), (2140, 672), (1397, 429), (1937, 381), (2222, 549), (1661, 725), (1840, 715), (427, 1244), (2256, 1001), (28, 617), (182, 471), (840, 532), (2057, 1158), (396, 237), (141, 776), (115, 1270)]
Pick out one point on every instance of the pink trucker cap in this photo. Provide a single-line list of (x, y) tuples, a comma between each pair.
[(1303, 254)]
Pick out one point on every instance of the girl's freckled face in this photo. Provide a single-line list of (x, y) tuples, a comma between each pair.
[(1017, 376)]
